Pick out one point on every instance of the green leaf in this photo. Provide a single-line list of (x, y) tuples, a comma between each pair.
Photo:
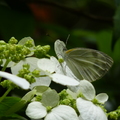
[(13, 117), (50, 98), (116, 33), (116, 52), (20, 104), (7, 104), (104, 41)]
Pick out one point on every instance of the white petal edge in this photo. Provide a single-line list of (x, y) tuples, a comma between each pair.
[(62, 112), (41, 81), (36, 110), (73, 94), (87, 89), (89, 111), (46, 65), (58, 68), (102, 97), (32, 61), (21, 82), (64, 80)]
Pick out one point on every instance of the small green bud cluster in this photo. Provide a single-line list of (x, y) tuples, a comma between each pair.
[(66, 99), (115, 114), (8, 84), (41, 51), (13, 51), (27, 74), (38, 98)]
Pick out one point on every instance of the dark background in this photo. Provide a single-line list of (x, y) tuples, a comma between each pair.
[(90, 23)]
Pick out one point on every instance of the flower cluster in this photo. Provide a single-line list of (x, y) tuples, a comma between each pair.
[(78, 102)]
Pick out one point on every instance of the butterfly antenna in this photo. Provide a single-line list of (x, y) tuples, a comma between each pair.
[(67, 39)]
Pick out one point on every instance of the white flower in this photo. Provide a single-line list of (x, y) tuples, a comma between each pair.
[(36, 110), (88, 110), (62, 68), (49, 67), (21, 82), (32, 61)]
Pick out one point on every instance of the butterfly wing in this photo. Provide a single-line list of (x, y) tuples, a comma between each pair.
[(88, 64)]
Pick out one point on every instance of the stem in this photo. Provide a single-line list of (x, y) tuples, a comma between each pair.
[(5, 94), (5, 65)]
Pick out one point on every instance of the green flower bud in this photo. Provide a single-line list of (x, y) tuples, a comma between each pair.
[(38, 98), (95, 101), (22, 72), (49, 108), (13, 40), (113, 115), (63, 94), (29, 43), (61, 60), (26, 66), (29, 78), (7, 54), (8, 84), (12, 49), (16, 58), (2, 48), (36, 73), (41, 51), (46, 48), (19, 47), (2, 42), (26, 51)]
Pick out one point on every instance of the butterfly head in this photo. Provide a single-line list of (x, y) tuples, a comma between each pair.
[(60, 48)]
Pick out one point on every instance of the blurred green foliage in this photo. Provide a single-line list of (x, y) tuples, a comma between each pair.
[(90, 23)]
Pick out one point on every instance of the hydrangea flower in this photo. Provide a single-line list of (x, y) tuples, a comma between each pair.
[(36, 110), (49, 107), (32, 61), (47, 72), (49, 68), (89, 104), (21, 82)]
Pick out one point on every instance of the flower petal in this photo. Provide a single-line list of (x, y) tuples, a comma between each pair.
[(46, 65), (36, 110), (21, 82), (64, 80), (62, 112), (87, 89), (73, 94), (32, 61), (102, 97), (24, 40), (41, 81), (89, 111), (58, 68)]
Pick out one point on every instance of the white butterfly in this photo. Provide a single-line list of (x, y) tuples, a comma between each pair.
[(85, 63)]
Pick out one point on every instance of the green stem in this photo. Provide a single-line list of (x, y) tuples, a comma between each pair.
[(5, 65), (5, 94), (47, 55)]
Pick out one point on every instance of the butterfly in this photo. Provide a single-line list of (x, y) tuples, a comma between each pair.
[(85, 63)]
